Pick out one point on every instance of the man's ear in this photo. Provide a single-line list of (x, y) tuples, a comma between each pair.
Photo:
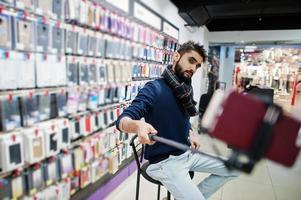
[(176, 56)]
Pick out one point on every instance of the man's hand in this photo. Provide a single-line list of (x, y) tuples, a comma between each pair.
[(194, 140), (143, 130)]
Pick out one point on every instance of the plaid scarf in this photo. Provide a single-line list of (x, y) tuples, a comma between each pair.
[(181, 90)]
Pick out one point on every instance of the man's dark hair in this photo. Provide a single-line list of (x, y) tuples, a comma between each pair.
[(193, 46)]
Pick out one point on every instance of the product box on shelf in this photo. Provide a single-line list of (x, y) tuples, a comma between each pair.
[(24, 33), (94, 145), (78, 158), (64, 133), (34, 142), (115, 48), (92, 42), (6, 31), (135, 70), (122, 95), (9, 113), (89, 124), (89, 156), (85, 177), (83, 45), (75, 183), (34, 179), (5, 188), (116, 93), (95, 117), (58, 9), (25, 4), (106, 141), (61, 103), (97, 15), (121, 153), (65, 165), (136, 48), (83, 99), (72, 9), (43, 36), (44, 7), (113, 161), (90, 14), (113, 137), (71, 39), (59, 72), (57, 38), (72, 70), (81, 124), (101, 95), (51, 171), (18, 70), (117, 68), (101, 71), (110, 71), (83, 71), (44, 106), (46, 69), (94, 175), (99, 119), (128, 96), (29, 109), (72, 100), (109, 47), (8, 69), (93, 99), (116, 113), (121, 48), (65, 189), (11, 154), (52, 192), (103, 19), (25, 70), (83, 13), (109, 94), (101, 45), (75, 129), (17, 185), (92, 72), (52, 137)]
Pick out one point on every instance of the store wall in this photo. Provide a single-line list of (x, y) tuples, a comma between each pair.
[(170, 12)]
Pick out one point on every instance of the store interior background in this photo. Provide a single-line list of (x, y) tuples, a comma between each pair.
[(269, 181)]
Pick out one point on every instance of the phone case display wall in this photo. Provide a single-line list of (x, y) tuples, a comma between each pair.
[(68, 70)]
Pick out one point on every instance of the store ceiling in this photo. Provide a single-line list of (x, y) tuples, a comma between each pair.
[(230, 15)]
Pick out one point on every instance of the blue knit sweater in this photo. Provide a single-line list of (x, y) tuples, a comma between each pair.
[(157, 104)]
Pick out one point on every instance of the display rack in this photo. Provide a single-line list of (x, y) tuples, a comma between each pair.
[(68, 70)]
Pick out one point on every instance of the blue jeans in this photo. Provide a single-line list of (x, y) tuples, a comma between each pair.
[(173, 173)]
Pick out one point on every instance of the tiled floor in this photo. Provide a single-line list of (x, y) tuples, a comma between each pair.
[(269, 181)]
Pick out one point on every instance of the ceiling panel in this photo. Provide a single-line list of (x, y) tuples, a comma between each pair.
[(221, 15)]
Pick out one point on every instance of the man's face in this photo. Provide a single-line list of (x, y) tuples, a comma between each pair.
[(187, 65)]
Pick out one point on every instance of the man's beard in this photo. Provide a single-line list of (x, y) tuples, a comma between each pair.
[(180, 74)]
